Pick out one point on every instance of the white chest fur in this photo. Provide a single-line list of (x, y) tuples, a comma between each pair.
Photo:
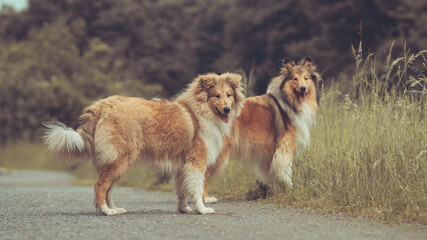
[(212, 133), (303, 120)]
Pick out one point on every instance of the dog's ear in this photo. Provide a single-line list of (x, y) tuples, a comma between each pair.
[(206, 81), (287, 67), (233, 79), (308, 63)]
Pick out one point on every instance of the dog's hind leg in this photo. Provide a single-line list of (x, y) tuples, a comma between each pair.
[(110, 202), (108, 175), (206, 198), (220, 164)]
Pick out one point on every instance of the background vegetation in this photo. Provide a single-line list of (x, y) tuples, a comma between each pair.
[(369, 149), (57, 56)]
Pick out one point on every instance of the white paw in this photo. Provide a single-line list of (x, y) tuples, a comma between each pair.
[(205, 210), (211, 200), (185, 209), (120, 210), (288, 176), (108, 211)]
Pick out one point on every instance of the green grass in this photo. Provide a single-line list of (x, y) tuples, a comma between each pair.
[(136, 176), (25, 155), (236, 181)]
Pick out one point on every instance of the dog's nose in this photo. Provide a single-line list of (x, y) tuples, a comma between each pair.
[(226, 109), (303, 88)]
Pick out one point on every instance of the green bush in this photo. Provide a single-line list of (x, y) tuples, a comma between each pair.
[(44, 78)]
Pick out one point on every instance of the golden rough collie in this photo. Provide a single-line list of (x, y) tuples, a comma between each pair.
[(275, 126), (184, 135)]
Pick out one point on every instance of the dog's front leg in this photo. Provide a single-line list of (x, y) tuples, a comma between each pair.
[(181, 192), (193, 184), (281, 165)]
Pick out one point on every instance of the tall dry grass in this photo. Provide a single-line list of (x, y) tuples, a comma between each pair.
[(365, 159), (368, 154)]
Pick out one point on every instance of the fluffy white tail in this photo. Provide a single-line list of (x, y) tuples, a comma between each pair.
[(63, 142)]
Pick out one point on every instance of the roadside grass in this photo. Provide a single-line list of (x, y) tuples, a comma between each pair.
[(237, 181), (368, 155), (32, 155), (365, 159), (136, 176), (26, 155)]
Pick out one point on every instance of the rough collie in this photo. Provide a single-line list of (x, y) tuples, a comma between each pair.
[(184, 135), (274, 127)]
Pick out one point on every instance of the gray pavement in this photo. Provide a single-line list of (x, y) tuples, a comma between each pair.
[(40, 205)]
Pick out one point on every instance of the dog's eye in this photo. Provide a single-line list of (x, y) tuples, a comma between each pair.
[(306, 78), (217, 96), (295, 79), (228, 95)]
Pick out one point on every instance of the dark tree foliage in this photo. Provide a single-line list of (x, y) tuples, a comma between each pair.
[(58, 55)]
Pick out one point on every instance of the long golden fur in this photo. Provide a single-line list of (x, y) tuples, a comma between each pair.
[(273, 127), (184, 135)]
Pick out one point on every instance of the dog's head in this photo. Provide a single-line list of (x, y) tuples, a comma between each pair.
[(296, 83), (222, 93), (299, 80)]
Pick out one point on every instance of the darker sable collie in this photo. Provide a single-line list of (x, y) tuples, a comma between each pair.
[(274, 127), (184, 135)]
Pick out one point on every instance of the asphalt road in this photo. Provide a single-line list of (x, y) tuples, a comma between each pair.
[(41, 205)]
